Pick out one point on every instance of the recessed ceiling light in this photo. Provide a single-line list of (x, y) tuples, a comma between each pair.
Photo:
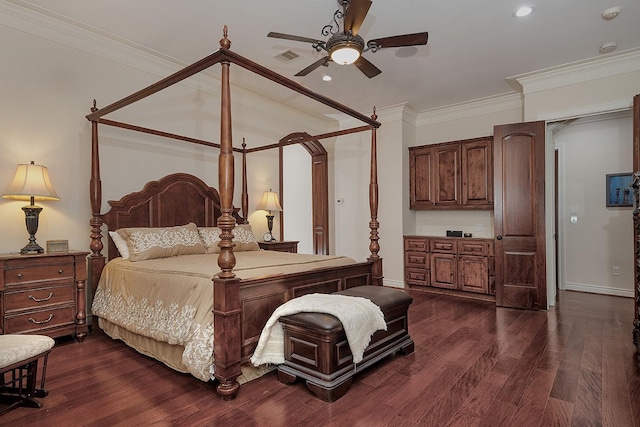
[(523, 11), (611, 13), (608, 47), (326, 78)]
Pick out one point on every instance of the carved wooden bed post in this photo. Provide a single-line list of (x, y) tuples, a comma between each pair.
[(374, 247), (96, 259), (226, 289), (245, 194)]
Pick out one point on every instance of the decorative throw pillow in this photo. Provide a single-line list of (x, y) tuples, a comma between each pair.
[(242, 237), (121, 244), (162, 242)]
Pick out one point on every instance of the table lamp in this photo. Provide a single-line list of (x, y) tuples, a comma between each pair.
[(31, 182), (269, 203)]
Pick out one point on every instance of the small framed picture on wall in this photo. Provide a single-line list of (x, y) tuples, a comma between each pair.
[(619, 192)]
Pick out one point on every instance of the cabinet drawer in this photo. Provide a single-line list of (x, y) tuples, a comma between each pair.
[(39, 320), (416, 245), (443, 246), (37, 273), (470, 247), (416, 259), (420, 275), (37, 298)]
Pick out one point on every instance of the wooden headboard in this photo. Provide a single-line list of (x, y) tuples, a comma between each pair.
[(176, 199)]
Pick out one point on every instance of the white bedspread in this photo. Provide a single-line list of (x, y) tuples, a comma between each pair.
[(360, 319)]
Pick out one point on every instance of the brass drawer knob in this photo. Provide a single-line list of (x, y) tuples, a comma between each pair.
[(40, 322), (31, 297), (60, 271), (20, 276)]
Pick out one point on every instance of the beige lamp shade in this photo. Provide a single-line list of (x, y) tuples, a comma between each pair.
[(270, 202), (31, 181)]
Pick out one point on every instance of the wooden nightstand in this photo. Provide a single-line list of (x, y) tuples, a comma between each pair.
[(44, 294), (286, 246)]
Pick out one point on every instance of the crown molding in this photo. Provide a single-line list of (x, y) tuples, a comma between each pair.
[(39, 22), (477, 107), (612, 65), (405, 112)]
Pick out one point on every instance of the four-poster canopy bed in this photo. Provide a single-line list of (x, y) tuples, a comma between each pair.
[(240, 306)]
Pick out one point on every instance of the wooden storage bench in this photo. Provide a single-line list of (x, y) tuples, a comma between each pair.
[(316, 347)]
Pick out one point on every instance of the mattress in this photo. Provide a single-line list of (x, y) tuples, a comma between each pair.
[(163, 307)]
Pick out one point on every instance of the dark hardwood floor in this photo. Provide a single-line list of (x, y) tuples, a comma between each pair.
[(474, 365)]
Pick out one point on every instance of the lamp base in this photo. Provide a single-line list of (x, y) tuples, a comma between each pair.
[(31, 214), (31, 248)]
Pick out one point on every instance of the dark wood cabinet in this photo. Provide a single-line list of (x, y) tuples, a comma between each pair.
[(421, 196), (284, 246), (452, 175), (44, 294), (416, 261), (446, 175), (477, 172), (455, 263)]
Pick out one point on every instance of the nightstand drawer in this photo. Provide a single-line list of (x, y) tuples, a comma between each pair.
[(39, 320), (37, 298), (39, 273), (283, 246)]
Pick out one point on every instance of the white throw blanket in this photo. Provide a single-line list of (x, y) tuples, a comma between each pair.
[(360, 319)]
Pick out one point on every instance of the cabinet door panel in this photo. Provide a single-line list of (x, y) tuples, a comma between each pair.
[(473, 274), (477, 173), (443, 271), (420, 178), (447, 175)]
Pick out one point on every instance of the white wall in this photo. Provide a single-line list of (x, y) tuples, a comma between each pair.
[(471, 120), (297, 204), (48, 86), (603, 236)]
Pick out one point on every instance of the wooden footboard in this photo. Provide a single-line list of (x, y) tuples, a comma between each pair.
[(242, 308)]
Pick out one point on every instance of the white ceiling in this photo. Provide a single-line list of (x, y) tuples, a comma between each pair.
[(473, 45)]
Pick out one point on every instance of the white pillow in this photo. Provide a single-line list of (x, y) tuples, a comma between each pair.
[(121, 244)]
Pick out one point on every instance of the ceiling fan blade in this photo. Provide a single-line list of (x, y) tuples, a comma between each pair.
[(310, 68), (356, 13), (294, 38), (401, 41), (367, 67)]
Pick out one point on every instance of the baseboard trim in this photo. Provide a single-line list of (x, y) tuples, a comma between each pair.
[(393, 283), (603, 290)]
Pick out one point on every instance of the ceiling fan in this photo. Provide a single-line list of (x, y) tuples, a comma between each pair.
[(346, 47)]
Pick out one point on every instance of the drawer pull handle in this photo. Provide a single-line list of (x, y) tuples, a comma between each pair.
[(20, 276), (60, 271), (40, 322), (31, 297)]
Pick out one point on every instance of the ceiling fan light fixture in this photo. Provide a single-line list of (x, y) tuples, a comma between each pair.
[(523, 11), (345, 55)]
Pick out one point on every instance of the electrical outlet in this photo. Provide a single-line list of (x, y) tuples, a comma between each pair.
[(615, 271), (479, 227)]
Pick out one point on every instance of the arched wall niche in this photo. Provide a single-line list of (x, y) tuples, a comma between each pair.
[(319, 187)]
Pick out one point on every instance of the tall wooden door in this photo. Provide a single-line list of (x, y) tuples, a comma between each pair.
[(519, 156)]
